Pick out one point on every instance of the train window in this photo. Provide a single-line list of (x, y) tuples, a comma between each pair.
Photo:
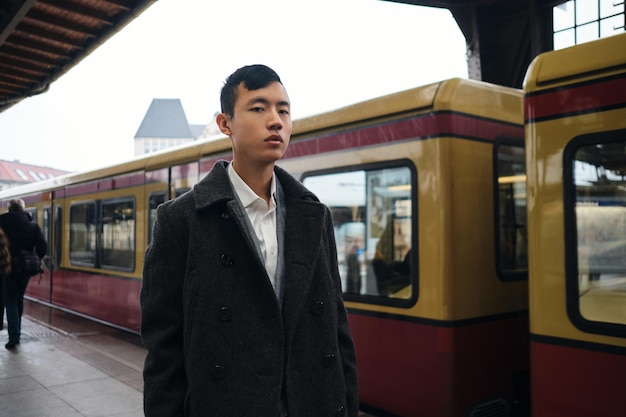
[(118, 234), (595, 208), (45, 226), (511, 235), (373, 208), (153, 202), (83, 234)]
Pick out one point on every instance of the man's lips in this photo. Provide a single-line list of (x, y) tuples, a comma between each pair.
[(274, 138)]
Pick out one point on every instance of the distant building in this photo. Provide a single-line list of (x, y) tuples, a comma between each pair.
[(165, 125), (15, 173)]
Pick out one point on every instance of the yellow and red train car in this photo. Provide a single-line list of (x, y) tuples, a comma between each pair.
[(575, 110), (412, 180)]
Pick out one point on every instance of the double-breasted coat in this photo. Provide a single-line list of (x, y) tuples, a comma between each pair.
[(219, 342)]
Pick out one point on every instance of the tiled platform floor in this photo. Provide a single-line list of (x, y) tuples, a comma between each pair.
[(70, 367)]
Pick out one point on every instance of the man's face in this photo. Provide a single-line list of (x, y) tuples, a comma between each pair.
[(261, 126)]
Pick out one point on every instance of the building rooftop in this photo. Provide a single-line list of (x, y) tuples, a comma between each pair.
[(17, 172), (165, 119)]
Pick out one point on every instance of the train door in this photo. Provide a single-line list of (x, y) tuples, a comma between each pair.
[(39, 286), (47, 227), (576, 147), (51, 228)]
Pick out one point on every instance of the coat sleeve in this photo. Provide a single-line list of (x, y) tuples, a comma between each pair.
[(165, 382), (344, 338)]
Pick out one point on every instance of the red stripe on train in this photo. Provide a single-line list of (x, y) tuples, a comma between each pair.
[(420, 127), (575, 99)]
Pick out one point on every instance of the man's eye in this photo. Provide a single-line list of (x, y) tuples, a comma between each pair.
[(256, 109), (284, 111)]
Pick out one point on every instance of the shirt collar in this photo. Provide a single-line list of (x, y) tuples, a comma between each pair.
[(245, 193)]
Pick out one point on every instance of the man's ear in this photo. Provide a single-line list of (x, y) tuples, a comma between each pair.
[(223, 123)]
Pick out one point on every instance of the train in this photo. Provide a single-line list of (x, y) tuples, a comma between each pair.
[(481, 236)]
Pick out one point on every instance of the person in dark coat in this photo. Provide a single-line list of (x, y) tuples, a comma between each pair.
[(23, 234), (5, 268), (241, 302)]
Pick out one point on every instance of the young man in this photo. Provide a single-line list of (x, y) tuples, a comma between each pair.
[(242, 311)]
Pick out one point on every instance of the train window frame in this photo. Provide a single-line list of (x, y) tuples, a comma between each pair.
[(412, 256), (73, 261), (101, 240), (503, 273), (571, 233)]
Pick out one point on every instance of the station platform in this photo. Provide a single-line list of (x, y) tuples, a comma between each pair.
[(68, 366)]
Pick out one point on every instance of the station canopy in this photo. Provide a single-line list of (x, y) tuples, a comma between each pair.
[(40, 40)]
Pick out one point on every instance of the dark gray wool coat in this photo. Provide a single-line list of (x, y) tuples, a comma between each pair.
[(218, 342)]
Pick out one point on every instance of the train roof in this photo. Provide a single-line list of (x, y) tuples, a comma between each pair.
[(553, 68), (456, 94)]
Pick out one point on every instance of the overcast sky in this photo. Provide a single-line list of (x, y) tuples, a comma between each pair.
[(329, 53)]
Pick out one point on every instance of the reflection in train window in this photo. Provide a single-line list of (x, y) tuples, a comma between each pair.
[(599, 183), (510, 212), (154, 201), (46, 227), (118, 234), (372, 212), (83, 234)]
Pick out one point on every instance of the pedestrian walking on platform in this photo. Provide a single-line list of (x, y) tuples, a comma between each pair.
[(24, 235), (5, 268), (242, 309)]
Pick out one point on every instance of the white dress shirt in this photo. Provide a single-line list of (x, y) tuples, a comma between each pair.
[(262, 217)]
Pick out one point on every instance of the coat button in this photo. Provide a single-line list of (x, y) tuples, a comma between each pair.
[(226, 215), (218, 372), (328, 361), (341, 411), (227, 260), (317, 308), (224, 314)]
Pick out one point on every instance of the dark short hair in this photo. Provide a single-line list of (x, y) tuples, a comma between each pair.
[(253, 78), (16, 205)]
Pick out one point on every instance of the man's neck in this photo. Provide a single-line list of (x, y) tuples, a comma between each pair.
[(259, 179)]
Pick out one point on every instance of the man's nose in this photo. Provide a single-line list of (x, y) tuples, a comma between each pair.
[(274, 121)]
